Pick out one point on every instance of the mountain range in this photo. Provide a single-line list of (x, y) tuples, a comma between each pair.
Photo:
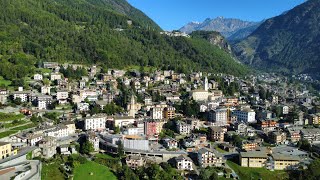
[(232, 29), (109, 33), (287, 43)]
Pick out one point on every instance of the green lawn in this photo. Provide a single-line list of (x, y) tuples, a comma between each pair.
[(257, 173), (20, 128), (7, 133), (9, 125), (104, 156), (51, 171), (99, 172), (10, 117)]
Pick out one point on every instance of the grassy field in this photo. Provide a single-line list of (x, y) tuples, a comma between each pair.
[(10, 117), (15, 130), (51, 171), (7, 133), (4, 82), (9, 125), (99, 172), (104, 156), (257, 173), (20, 128)]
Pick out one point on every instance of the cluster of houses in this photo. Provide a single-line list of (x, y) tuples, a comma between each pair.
[(262, 124)]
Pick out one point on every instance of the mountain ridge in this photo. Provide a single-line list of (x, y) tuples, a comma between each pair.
[(287, 43), (226, 26)]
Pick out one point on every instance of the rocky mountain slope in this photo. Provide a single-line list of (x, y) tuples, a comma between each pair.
[(287, 43), (226, 26)]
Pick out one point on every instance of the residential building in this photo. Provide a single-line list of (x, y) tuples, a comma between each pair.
[(170, 143), (245, 115), (183, 128), (249, 145), (278, 137), (184, 163), (48, 146), (94, 140), (285, 162), (156, 113), (267, 125), (218, 117), (135, 161), (95, 123), (33, 139), (216, 133), (254, 159), (311, 135), (59, 131), (44, 101), (50, 65), (23, 95), (5, 150), (62, 96), (153, 127), (121, 121), (209, 157), (55, 76), (169, 112), (313, 119), (38, 77)]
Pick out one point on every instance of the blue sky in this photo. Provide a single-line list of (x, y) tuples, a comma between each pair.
[(173, 14)]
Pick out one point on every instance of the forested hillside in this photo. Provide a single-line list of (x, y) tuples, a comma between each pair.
[(96, 31), (287, 43)]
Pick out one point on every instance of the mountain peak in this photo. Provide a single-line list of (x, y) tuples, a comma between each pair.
[(226, 26)]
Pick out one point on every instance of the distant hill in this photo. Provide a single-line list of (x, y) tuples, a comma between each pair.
[(228, 27), (286, 43), (110, 33)]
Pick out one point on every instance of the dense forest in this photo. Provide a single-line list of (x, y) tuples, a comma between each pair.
[(109, 33)]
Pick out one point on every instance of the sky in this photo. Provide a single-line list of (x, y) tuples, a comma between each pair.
[(173, 14)]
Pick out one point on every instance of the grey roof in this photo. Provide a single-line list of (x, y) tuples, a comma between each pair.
[(285, 157), (254, 154)]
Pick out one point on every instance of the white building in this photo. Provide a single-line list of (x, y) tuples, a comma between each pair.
[(23, 95), (134, 131), (46, 90), (62, 96), (218, 116), (86, 93), (43, 102), (83, 106), (184, 163), (96, 123), (285, 110), (58, 132), (246, 115), (38, 77), (183, 128), (120, 121), (156, 113), (55, 76), (92, 138), (200, 95), (33, 139)]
